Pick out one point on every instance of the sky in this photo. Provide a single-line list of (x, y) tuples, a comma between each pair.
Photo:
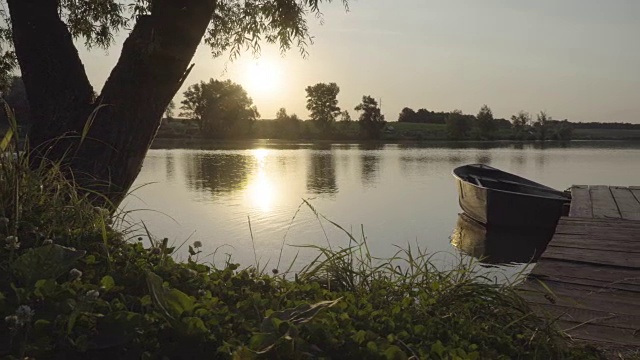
[(574, 59)]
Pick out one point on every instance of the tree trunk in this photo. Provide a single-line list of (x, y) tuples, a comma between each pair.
[(126, 116)]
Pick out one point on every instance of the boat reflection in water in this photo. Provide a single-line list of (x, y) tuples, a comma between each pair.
[(499, 246)]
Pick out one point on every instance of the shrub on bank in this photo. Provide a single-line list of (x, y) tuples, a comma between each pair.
[(74, 287)]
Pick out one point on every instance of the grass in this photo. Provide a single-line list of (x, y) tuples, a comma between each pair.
[(75, 288)]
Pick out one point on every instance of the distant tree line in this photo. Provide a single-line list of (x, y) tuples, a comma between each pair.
[(223, 109), (484, 126)]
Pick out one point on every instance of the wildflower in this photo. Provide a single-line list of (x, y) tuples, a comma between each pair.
[(75, 274), (11, 320), (24, 314), (93, 294), (155, 251), (47, 242), (12, 243), (197, 244)]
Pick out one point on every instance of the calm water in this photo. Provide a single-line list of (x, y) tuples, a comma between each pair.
[(399, 194)]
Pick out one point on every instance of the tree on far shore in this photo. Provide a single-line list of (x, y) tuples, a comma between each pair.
[(371, 119), (222, 108), (322, 102), (485, 125)]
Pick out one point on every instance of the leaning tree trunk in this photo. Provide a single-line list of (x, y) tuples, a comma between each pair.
[(126, 115)]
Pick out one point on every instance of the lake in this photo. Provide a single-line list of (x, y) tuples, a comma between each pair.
[(401, 195)]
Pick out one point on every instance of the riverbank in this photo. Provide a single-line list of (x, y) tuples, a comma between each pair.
[(76, 287), (399, 131)]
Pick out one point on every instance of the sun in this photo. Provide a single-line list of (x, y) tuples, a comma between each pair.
[(263, 77)]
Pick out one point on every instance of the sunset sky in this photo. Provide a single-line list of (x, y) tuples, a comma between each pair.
[(576, 59)]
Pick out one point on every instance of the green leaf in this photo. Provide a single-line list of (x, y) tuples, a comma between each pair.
[(44, 288), (6, 140), (395, 353), (438, 348), (173, 303), (45, 262), (107, 283), (194, 326)]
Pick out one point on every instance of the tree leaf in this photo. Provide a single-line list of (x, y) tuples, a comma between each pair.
[(107, 283)]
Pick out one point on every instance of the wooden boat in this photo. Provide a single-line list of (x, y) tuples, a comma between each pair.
[(498, 245), (498, 198)]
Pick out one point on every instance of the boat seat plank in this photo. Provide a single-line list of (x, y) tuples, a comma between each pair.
[(604, 205), (580, 202), (627, 203)]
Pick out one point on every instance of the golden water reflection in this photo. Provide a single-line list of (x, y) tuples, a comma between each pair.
[(261, 192)]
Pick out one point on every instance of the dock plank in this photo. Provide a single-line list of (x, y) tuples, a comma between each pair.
[(591, 269), (628, 204), (602, 257), (601, 243), (604, 205), (580, 202), (605, 275)]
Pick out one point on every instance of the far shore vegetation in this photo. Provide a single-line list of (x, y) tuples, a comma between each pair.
[(223, 110)]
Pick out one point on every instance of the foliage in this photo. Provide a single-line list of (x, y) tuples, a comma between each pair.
[(345, 116), (322, 102), (222, 108), (562, 130), (235, 25), (371, 119), (422, 116), (458, 125), (485, 124), (541, 125), (169, 112), (521, 124), (288, 126)]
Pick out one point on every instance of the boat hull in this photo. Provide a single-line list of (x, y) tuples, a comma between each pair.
[(499, 208)]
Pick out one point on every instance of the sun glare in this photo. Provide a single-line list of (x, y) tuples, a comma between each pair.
[(261, 191), (263, 77)]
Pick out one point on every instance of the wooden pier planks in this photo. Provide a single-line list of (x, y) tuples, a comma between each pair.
[(591, 268), (605, 202)]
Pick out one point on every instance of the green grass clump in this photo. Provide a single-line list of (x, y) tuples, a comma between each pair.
[(73, 288)]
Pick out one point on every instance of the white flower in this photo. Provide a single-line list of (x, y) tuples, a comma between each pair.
[(75, 274), (12, 243), (93, 294), (197, 244), (24, 314)]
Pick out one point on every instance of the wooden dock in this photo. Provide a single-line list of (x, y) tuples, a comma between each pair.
[(588, 278)]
